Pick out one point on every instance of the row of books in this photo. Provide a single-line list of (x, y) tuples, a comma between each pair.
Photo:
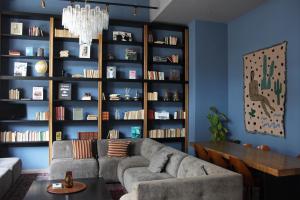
[(27, 136), (173, 58), (133, 115), (90, 73), (171, 40), (87, 135), (167, 133), (179, 114), (60, 113), (154, 75), (35, 31), (42, 116), (153, 96), (14, 94)]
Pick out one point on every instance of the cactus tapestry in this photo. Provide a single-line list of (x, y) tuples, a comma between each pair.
[(265, 89)]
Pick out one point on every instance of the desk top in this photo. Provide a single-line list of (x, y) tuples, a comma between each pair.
[(268, 162)]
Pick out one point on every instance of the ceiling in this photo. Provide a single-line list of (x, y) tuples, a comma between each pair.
[(184, 11)]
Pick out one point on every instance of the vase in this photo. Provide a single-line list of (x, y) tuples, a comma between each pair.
[(68, 180)]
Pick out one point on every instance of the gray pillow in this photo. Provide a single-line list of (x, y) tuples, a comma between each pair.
[(159, 161)]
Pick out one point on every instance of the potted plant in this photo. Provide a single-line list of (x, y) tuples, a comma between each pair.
[(217, 120)]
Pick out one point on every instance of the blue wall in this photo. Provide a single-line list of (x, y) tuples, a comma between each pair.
[(208, 74), (271, 23)]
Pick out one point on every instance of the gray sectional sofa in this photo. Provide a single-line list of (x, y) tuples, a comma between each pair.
[(184, 177), (10, 170)]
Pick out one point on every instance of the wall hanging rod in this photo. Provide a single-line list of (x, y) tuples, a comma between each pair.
[(113, 4)]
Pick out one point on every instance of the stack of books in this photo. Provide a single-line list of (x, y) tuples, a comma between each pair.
[(42, 116), (90, 73), (14, 94), (105, 116), (163, 115), (154, 75), (14, 53), (27, 136), (134, 115), (179, 114), (91, 117), (152, 96), (60, 113), (160, 59), (167, 133), (87, 135), (114, 97), (113, 134), (171, 40)]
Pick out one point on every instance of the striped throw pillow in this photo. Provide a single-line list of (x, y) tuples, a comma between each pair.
[(117, 148), (82, 149)]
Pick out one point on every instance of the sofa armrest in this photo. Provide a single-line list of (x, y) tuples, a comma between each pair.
[(213, 187)]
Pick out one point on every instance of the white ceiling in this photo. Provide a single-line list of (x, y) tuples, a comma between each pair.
[(184, 11)]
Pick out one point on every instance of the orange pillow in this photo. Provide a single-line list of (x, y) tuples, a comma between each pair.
[(117, 148), (82, 149)]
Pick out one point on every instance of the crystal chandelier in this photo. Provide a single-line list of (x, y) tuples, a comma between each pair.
[(85, 23)]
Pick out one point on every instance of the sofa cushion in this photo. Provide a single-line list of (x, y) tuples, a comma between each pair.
[(134, 175), (159, 161), (108, 168), (82, 149), (13, 164), (84, 168), (150, 147), (130, 162), (192, 167), (62, 149), (118, 148), (5, 180)]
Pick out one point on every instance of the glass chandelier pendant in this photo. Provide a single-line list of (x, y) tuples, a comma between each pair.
[(85, 23)]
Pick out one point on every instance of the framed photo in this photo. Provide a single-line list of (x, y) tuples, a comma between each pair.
[(20, 69), (37, 93), (16, 28), (122, 36), (84, 51), (65, 91), (111, 72), (132, 74)]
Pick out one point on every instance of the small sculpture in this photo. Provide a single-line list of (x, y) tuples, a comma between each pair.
[(127, 95), (166, 96), (175, 96), (68, 180), (137, 96)]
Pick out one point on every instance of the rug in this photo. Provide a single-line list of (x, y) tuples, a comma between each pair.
[(22, 185)]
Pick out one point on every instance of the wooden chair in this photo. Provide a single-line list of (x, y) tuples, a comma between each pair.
[(247, 145), (218, 159), (264, 147), (201, 152), (298, 156)]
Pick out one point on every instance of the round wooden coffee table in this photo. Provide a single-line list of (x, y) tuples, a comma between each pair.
[(77, 187)]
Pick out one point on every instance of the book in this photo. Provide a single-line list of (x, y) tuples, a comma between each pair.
[(87, 135), (37, 93), (64, 91), (20, 69), (132, 74), (14, 53)]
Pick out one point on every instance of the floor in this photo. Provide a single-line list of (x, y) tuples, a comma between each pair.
[(20, 188)]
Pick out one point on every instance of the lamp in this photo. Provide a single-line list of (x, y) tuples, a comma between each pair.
[(84, 22)]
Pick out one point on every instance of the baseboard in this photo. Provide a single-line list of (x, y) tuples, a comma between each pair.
[(35, 171)]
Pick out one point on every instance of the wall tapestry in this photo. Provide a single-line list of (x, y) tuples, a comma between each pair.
[(265, 89)]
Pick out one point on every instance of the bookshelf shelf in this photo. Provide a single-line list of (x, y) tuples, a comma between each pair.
[(24, 121), (25, 78), (166, 81), (122, 101), (23, 101), (76, 121), (75, 101), (166, 63), (25, 37), (23, 144), (166, 46), (124, 80), (25, 57), (76, 79), (124, 61), (65, 39), (74, 58), (162, 101), (166, 120), (123, 120), (123, 43)]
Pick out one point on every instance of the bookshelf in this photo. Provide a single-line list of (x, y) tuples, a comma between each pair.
[(101, 48)]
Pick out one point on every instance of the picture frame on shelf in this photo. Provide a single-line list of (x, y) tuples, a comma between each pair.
[(16, 28), (38, 93), (111, 72), (65, 91), (122, 36), (84, 51), (132, 74), (20, 69)]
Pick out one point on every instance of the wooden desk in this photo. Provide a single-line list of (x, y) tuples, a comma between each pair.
[(272, 163)]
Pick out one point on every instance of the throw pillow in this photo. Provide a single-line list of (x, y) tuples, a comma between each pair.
[(82, 149), (159, 161), (117, 148)]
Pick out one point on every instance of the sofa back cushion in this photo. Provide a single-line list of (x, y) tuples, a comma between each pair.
[(191, 167), (150, 147), (158, 161), (118, 148), (82, 149), (62, 149)]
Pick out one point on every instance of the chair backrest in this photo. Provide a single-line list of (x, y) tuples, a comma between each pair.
[(298, 156), (247, 145), (201, 152), (240, 167), (264, 147), (218, 159)]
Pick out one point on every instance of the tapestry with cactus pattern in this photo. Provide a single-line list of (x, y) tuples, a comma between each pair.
[(265, 89)]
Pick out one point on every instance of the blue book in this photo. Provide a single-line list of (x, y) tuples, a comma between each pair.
[(29, 51)]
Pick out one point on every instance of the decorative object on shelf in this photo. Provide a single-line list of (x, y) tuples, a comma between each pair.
[(113, 134), (84, 51), (86, 97), (103, 96), (127, 94), (132, 74), (35, 31), (152, 96), (150, 37), (174, 75), (136, 96), (117, 114), (265, 90), (40, 52), (64, 54), (130, 54), (68, 181), (175, 96), (91, 117), (64, 91), (20, 69), (58, 135), (110, 56), (111, 72), (85, 22), (38, 93), (77, 113), (41, 67), (122, 36), (14, 94), (166, 96), (163, 115), (43, 3), (114, 97), (217, 120), (105, 116), (16, 28), (29, 51), (87, 135), (14, 53), (136, 132)]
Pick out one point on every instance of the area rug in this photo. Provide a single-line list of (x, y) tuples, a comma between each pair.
[(20, 188)]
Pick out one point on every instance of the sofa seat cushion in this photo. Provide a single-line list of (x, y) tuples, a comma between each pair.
[(13, 164), (84, 168), (108, 168), (5, 180), (137, 174), (130, 162)]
